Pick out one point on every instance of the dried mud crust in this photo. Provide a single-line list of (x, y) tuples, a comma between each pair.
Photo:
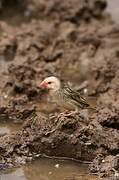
[(77, 35)]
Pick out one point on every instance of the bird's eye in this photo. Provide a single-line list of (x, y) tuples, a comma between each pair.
[(49, 82)]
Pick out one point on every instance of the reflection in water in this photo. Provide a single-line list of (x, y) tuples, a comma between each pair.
[(15, 174), (50, 169)]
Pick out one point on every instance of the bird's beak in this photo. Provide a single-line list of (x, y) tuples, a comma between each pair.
[(43, 84)]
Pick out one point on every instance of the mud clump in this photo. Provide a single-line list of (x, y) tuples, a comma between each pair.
[(50, 135), (106, 166), (54, 135), (73, 41), (71, 10)]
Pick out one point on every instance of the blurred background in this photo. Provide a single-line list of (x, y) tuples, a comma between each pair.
[(75, 40)]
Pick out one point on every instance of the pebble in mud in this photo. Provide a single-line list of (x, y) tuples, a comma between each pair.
[(57, 165), (5, 96)]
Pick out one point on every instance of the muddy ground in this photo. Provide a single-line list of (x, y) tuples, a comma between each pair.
[(77, 42)]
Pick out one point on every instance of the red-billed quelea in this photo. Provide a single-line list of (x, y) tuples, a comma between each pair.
[(63, 95)]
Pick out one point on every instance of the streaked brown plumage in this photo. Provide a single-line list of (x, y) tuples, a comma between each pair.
[(63, 95)]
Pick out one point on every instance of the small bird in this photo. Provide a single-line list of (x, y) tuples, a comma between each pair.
[(63, 95)]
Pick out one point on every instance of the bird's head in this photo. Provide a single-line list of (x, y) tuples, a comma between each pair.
[(51, 83)]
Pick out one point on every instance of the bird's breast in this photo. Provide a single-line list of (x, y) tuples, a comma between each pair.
[(60, 99)]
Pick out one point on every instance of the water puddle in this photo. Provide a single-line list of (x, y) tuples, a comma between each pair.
[(14, 17), (113, 9), (49, 169), (3, 63), (7, 127)]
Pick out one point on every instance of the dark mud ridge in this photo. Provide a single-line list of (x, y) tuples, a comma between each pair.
[(67, 36)]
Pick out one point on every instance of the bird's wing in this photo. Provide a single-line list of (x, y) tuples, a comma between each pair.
[(75, 97)]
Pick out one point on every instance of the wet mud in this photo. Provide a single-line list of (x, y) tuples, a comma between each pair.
[(78, 42)]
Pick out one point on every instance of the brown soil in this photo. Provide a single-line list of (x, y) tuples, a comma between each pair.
[(78, 43)]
